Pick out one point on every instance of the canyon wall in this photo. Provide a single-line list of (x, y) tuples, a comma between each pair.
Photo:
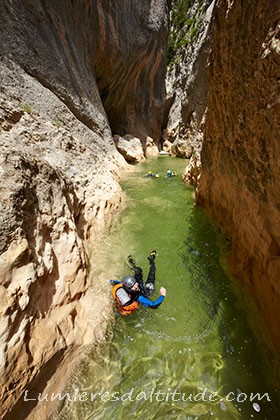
[(71, 73), (187, 85), (240, 177), (94, 55)]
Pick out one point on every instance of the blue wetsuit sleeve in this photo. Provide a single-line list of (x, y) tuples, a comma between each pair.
[(115, 282), (149, 303)]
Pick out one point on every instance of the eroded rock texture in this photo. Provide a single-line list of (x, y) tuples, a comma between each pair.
[(85, 50), (186, 79), (58, 191), (240, 178), (68, 70)]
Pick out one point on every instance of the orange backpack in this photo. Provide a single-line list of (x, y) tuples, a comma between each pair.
[(124, 309)]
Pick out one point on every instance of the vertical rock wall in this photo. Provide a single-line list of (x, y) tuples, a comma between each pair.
[(58, 190), (85, 50), (186, 79), (71, 72), (130, 64), (240, 178)]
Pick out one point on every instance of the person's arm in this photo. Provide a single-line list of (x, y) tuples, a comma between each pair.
[(113, 282), (148, 303)]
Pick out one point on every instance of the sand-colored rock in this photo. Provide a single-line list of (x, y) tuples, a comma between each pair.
[(191, 174), (69, 74), (239, 184), (130, 148), (95, 56), (48, 213), (151, 148), (187, 83)]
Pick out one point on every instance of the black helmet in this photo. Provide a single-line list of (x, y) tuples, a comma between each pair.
[(128, 281)]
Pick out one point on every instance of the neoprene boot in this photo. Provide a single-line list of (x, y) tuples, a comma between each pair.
[(152, 256), (131, 261)]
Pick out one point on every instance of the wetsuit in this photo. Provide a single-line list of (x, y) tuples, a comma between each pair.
[(149, 286), (137, 296), (149, 303), (145, 289)]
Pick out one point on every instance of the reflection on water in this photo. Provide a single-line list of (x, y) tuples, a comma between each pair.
[(182, 360)]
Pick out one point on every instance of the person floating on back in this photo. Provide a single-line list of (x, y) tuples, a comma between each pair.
[(152, 175), (132, 291), (171, 173)]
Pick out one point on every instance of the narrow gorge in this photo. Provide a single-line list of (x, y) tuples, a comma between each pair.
[(89, 88)]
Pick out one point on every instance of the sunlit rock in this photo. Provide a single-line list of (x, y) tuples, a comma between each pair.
[(181, 149), (240, 176), (130, 148), (186, 82), (192, 172), (71, 74), (151, 149)]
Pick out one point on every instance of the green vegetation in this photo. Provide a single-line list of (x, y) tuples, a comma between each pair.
[(184, 27), (27, 108), (58, 123)]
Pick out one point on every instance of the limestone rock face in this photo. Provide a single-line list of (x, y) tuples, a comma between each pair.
[(181, 149), (71, 72), (192, 172), (94, 55), (240, 178), (58, 190), (130, 148), (151, 149), (187, 81)]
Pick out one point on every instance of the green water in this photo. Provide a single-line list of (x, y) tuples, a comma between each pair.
[(166, 363)]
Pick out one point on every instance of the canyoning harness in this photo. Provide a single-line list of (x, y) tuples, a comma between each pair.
[(129, 301), (124, 300)]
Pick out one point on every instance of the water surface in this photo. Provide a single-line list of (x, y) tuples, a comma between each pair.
[(181, 360)]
